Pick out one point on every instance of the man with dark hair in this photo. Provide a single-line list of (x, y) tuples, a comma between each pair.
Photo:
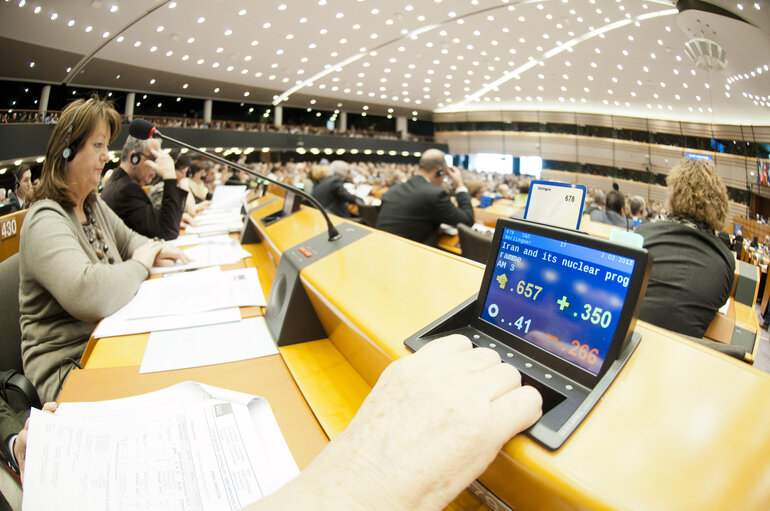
[(415, 209), (18, 198), (139, 162), (615, 211)]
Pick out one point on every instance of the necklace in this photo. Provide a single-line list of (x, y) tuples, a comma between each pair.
[(96, 238)]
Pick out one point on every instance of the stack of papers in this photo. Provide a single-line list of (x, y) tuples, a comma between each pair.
[(214, 251), (189, 446), (224, 214), (188, 299)]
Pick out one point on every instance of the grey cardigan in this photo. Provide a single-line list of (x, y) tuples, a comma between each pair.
[(65, 289)]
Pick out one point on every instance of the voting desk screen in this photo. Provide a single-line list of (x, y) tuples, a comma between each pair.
[(562, 297)]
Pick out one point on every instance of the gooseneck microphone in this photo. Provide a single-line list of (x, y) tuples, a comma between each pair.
[(143, 129)]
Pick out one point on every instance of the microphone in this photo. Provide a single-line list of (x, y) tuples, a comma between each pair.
[(143, 129)]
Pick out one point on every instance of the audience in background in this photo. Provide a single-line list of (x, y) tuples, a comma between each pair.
[(693, 272)]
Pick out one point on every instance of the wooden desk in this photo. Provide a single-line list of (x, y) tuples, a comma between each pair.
[(10, 233)]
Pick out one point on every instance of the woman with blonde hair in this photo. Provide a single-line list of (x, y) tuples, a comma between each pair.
[(692, 272)]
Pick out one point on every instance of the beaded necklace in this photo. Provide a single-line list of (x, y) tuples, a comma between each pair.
[(96, 237)]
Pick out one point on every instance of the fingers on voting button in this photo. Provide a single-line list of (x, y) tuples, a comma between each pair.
[(448, 344)]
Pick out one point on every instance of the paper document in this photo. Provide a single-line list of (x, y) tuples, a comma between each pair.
[(193, 292), (190, 446), (217, 228), (188, 240), (228, 197), (207, 345), (215, 252), (112, 326)]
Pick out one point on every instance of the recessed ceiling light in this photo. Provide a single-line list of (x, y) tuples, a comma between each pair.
[(242, 12), (201, 19), (190, 40), (89, 28)]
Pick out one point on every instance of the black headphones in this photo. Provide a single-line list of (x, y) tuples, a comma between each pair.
[(440, 173), (135, 158), (69, 150)]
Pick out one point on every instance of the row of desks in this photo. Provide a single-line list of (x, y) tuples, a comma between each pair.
[(682, 427)]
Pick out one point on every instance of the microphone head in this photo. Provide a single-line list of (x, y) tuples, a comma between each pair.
[(141, 129)]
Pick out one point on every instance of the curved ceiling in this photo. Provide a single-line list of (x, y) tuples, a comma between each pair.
[(405, 57)]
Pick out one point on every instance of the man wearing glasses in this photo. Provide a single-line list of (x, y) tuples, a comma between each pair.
[(140, 161)]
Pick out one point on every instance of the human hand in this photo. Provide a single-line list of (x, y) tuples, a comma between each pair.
[(433, 423), (202, 206), (163, 164), (455, 175), (187, 221), (146, 253), (169, 255), (20, 445)]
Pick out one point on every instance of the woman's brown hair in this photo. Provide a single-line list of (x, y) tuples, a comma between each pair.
[(76, 123)]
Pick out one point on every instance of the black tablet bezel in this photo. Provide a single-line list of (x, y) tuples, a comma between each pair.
[(634, 295)]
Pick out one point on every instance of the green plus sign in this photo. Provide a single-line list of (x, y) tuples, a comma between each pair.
[(562, 303)]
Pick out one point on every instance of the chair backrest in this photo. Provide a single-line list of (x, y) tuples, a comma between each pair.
[(474, 245), (369, 214), (10, 331)]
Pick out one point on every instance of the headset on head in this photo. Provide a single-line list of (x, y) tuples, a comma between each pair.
[(135, 158), (69, 151)]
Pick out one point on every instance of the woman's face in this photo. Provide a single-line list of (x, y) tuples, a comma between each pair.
[(85, 169)]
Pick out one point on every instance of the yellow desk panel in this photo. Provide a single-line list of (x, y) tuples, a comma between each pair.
[(329, 383), (382, 289)]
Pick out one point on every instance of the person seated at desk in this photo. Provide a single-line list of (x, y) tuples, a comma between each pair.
[(737, 245), (692, 271), (181, 166), (614, 212), (18, 199), (476, 189), (596, 207), (417, 208), (331, 193), (139, 162), (197, 182), (78, 262)]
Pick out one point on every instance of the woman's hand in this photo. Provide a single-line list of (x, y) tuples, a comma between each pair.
[(147, 253), (169, 255)]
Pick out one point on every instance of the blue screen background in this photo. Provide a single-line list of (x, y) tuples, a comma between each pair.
[(556, 319)]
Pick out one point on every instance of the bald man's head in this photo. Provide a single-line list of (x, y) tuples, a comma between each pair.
[(432, 160)]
